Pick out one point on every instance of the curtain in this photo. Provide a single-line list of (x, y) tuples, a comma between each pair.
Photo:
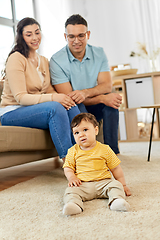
[(147, 17)]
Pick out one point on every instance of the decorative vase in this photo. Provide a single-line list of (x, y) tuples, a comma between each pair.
[(153, 65)]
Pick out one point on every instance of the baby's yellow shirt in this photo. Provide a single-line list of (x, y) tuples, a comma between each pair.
[(91, 165)]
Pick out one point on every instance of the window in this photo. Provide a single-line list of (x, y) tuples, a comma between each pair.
[(23, 8), (11, 11), (5, 9), (6, 43)]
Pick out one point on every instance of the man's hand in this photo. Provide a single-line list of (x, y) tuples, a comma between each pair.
[(113, 100), (78, 96), (74, 182)]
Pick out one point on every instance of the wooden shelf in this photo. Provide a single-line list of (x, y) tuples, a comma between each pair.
[(130, 113)]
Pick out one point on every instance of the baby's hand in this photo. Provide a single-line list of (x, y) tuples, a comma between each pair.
[(74, 182), (127, 191)]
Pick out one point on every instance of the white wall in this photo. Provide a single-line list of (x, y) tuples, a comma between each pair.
[(51, 15), (114, 24)]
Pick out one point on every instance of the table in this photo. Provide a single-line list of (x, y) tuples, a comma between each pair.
[(154, 106)]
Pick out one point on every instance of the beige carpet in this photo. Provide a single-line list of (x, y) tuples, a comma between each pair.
[(33, 209)]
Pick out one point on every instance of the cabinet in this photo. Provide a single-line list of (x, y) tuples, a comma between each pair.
[(137, 90)]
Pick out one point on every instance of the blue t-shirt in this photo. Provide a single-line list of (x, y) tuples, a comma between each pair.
[(64, 67)]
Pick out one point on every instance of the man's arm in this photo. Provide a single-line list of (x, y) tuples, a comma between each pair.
[(65, 88), (113, 100), (95, 95), (104, 86)]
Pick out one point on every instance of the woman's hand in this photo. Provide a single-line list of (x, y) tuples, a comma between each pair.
[(65, 100)]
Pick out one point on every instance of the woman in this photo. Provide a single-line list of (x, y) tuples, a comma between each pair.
[(28, 99)]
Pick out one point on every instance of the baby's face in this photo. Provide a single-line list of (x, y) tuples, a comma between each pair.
[(85, 135)]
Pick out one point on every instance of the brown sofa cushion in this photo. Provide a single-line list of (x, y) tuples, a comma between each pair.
[(24, 139)]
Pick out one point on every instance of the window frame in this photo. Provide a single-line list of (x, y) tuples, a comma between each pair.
[(7, 22), (13, 22)]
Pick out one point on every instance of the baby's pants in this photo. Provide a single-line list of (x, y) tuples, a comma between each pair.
[(107, 188)]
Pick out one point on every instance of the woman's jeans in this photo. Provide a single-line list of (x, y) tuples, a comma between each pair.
[(47, 115), (110, 118)]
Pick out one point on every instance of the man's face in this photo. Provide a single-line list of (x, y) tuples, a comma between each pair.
[(77, 37)]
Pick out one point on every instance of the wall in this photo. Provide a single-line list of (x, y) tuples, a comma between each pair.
[(114, 24), (51, 15), (111, 25)]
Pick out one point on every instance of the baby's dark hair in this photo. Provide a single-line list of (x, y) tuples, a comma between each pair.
[(88, 117)]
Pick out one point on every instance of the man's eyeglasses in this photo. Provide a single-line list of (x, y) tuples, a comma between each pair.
[(72, 38)]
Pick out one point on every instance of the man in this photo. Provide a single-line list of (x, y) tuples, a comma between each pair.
[(82, 72)]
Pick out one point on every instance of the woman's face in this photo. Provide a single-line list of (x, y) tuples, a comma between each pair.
[(32, 36)]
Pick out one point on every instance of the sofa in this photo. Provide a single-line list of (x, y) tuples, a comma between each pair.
[(20, 145)]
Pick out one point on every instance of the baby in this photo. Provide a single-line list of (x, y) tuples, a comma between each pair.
[(88, 167)]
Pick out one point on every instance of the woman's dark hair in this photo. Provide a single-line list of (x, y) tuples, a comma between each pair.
[(88, 117), (76, 19), (20, 45)]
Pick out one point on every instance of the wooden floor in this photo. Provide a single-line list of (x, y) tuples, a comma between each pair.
[(11, 176)]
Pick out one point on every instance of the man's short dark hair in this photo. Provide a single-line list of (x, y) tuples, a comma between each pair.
[(76, 19), (88, 117)]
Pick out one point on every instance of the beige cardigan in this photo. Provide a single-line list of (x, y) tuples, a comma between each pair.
[(22, 85)]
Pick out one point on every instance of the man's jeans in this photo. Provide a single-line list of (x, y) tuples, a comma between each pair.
[(47, 115), (110, 118)]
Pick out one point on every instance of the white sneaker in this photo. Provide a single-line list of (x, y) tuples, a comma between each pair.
[(120, 204)]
